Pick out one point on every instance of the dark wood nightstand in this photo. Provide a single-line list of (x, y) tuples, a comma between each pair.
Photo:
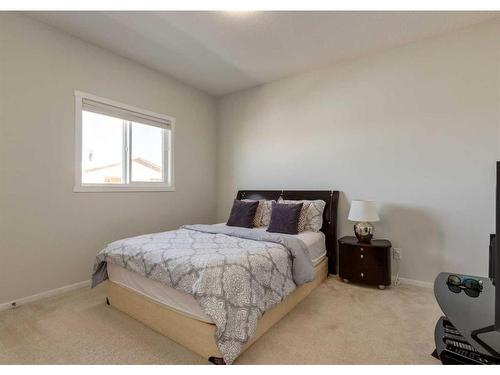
[(368, 263)]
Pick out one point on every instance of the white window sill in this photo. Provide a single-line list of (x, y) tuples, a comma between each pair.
[(121, 188)]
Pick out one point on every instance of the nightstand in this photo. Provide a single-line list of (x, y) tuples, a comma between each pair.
[(367, 263)]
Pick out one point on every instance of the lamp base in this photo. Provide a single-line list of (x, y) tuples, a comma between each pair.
[(364, 232)]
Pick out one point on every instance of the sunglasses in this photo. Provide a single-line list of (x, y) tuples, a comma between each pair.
[(471, 287)]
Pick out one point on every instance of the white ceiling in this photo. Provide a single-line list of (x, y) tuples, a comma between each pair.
[(222, 52)]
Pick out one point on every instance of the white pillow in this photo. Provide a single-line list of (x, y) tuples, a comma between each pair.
[(311, 215)]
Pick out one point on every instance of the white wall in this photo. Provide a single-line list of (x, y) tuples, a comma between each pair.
[(415, 128), (48, 234)]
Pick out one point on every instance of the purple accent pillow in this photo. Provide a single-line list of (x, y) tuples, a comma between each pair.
[(285, 218), (242, 214)]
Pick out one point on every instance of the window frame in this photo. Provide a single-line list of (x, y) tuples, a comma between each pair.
[(168, 152)]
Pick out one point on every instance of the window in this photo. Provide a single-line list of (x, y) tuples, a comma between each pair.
[(121, 148)]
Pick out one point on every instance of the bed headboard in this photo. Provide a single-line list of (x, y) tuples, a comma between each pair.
[(329, 215)]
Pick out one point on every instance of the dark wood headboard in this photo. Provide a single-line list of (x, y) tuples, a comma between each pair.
[(329, 215)]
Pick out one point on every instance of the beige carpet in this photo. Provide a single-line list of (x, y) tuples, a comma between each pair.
[(337, 324)]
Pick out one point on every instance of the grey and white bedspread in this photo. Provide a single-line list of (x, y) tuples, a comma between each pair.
[(235, 274)]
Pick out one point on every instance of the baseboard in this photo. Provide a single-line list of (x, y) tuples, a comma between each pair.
[(46, 294), (402, 280), (83, 284), (422, 284)]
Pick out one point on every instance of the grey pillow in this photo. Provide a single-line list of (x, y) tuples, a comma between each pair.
[(285, 218), (242, 214)]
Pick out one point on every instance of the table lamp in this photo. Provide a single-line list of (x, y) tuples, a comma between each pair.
[(363, 213)]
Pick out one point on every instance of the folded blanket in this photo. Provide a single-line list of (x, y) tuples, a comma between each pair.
[(235, 274)]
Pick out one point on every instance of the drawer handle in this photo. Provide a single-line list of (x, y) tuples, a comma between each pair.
[(362, 256), (361, 249), (362, 274)]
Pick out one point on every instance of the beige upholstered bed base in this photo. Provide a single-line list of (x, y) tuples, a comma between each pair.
[(194, 334)]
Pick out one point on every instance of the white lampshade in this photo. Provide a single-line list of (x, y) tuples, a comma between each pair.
[(363, 211)]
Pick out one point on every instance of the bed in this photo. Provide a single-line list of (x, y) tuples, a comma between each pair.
[(179, 315)]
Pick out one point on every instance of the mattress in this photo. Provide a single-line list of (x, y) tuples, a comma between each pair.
[(184, 302)]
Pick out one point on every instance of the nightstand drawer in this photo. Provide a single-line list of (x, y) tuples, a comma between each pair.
[(362, 254), (363, 274)]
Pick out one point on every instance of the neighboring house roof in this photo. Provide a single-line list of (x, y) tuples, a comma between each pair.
[(101, 167), (139, 160), (147, 164)]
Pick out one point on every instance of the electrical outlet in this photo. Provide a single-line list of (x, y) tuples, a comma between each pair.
[(397, 253)]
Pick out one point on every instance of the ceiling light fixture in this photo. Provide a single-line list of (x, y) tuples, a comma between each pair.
[(240, 12)]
